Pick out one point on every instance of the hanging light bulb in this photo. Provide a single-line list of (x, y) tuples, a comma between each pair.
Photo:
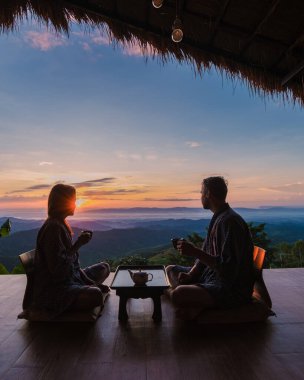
[(177, 32), (157, 3)]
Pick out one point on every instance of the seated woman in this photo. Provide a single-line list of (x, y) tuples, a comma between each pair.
[(59, 282)]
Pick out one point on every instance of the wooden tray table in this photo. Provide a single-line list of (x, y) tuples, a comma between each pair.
[(125, 288)]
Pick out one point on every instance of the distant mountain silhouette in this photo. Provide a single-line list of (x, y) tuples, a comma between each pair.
[(134, 235), (143, 209), (127, 218), (22, 224), (179, 209), (105, 244)]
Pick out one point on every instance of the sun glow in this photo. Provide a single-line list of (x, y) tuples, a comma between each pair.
[(80, 202)]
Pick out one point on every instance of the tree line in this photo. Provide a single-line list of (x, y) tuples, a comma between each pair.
[(282, 255)]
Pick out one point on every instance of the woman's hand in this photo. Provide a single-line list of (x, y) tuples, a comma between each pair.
[(83, 238)]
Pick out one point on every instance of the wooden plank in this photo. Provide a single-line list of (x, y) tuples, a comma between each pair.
[(100, 342), (223, 10), (22, 374), (12, 348), (90, 371), (288, 50), (293, 73), (143, 349), (271, 9), (294, 363)]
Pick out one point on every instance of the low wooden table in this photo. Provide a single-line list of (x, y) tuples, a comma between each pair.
[(125, 288)]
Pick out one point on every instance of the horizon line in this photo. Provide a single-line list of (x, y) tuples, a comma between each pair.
[(139, 208)]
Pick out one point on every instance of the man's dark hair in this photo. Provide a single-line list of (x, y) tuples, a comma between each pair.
[(217, 187)]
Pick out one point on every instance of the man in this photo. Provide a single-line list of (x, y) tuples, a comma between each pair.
[(222, 276)]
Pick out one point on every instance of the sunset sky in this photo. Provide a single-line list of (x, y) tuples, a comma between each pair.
[(129, 131)]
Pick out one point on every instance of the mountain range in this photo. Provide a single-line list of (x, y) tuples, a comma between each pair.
[(120, 237)]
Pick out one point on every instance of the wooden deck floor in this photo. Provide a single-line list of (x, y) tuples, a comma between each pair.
[(143, 350)]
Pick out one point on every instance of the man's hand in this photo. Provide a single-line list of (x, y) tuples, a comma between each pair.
[(187, 249), (185, 278)]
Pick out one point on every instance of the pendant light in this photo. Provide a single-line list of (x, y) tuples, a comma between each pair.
[(157, 3), (177, 31)]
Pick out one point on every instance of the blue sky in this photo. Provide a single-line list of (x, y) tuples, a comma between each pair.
[(129, 131)]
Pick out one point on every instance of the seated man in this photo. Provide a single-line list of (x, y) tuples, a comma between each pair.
[(222, 275)]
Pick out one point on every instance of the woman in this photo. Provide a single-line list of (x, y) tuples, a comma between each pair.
[(59, 282)]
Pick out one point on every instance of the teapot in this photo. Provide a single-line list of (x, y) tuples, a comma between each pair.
[(140, 278)]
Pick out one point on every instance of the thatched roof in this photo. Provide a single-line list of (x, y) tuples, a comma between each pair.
[(258, 41)]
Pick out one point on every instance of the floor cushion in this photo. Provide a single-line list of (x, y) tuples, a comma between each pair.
[(255, 311), (90, 315)]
